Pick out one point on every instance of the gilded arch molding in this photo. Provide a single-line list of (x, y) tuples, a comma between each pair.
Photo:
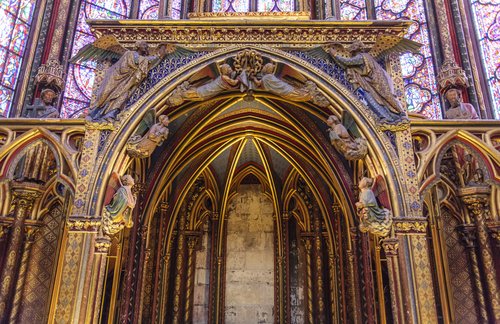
[(384, 157)]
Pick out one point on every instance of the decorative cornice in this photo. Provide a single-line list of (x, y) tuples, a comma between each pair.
[(410, 225), (210, 33)]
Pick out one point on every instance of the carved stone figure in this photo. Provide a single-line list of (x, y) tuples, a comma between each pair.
[(373, 218), (37, 164), (43, 107), (273, 84), (375, 84), (124, 76), (143, 146), (225, 81), (120, 81), (117, 213), (351, 149), (458, 109)]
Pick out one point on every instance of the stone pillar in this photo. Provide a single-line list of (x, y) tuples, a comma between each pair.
[(30, 232), (390, 246), (23, 201), (476, 199), (468, 233), (307, 240)]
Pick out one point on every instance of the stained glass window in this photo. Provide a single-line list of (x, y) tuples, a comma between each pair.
[(175, 9), (148, 9), (16, 19), (81, 77), (418, 69), (487, 21), (352, 9)]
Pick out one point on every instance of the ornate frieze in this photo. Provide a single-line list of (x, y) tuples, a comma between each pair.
[(410, 225), (83, 224), (263, 31)]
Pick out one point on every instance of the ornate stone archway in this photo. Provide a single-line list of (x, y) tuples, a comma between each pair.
[(390, 156)]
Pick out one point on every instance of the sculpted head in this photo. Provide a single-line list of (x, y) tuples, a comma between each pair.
[(48, 96), (164, 120), (356, 47), (365, 183), (268, 68), (332, 120), (226, 69), (142, 48), (127, 180), (454, 97)]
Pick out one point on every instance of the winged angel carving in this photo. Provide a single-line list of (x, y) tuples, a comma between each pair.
[(374, 218), (368, 76), (351, 148), (130, 68), (148, 135), (119, 203)]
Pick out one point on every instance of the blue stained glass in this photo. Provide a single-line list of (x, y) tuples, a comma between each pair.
[(16, 19), (352, 9), (80, 78), (418, 69)]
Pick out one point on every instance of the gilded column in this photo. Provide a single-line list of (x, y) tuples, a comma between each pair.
[(192, 241), (30, 232), (179, 270), (98, 273), (285, 267), (353, 274), (318, 265), (214, 265), (391, 246), (307, 240), (468, 233), (23, 201), (476, 199), (162, 262)]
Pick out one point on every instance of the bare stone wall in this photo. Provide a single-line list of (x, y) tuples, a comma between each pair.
[(201, 280), (249, 296)]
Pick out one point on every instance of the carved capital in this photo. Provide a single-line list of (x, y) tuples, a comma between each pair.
[(476, 199), (102, 244), (494, 230), (25, 197), (164, 207), (390, 246)]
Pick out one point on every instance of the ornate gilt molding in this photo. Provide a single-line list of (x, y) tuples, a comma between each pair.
[(410, 225), (391, 246), (217, 33), (83, 224), (289, 15)]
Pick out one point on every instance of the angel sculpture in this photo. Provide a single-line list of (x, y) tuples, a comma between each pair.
[(351, 149), (367, 75), (119, 202), (373, 218), (270, 82), (124, 76), (225, 81), (142, 146)]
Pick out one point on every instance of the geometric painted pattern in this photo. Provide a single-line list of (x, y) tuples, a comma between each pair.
[(41, 266), (460, 274)]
